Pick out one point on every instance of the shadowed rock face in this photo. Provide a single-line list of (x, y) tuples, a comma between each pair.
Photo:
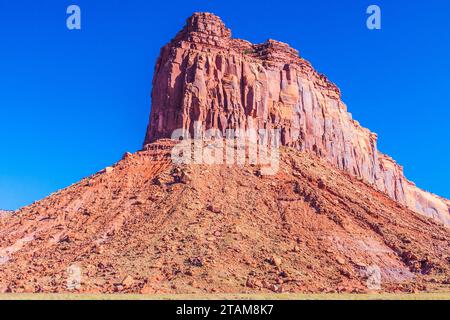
[(205, 75)]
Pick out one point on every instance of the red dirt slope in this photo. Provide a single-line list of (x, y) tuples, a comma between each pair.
[(148, 226)]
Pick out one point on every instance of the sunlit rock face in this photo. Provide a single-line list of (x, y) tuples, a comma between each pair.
[(204, 75)]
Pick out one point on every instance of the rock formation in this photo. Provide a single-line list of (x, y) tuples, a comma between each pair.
[(148, 225), (205, 75)]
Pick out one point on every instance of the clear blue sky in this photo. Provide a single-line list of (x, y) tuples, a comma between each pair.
[(71, 102)]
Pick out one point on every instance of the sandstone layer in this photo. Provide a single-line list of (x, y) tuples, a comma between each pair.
[(205, 75)]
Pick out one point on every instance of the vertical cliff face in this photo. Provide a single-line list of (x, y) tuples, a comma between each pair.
[(205, 75)]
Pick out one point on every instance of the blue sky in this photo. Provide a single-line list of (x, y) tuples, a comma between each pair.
[(72, 102)]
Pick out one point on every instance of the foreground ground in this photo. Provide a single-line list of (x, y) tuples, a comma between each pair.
[(383, 296), (147, 226)]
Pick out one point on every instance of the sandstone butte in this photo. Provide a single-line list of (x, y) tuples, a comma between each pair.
[(334, 217), (205, 75)]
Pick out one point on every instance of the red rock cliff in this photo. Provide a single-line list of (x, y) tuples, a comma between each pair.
[(205, 75)]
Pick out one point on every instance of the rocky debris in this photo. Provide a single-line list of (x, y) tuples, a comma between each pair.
[(196, 261), (254, 283), (271, 239), (181, 175), (185, 177), (214, 208), (276, 261), (128, 281), (127, 155), (157, 181), (321, 183), (62, 238), (205, 75), (107, 170)]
